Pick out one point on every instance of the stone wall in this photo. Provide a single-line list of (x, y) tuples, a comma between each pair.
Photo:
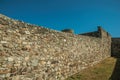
[(30, 52), (92, 34), (116, 47)]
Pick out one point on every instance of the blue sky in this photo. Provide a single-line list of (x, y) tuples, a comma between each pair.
[(80, 15)]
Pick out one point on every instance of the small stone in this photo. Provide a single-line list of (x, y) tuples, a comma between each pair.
[(43, 62), (48, 63), (19, 62), (45, 50), (54, 62), (15, 22), (27, 58), (16, 77), (22, 38), (1, 26), (16, 65), (24, 64), (6, 45), (9, 31), (10, 59), (3, 42), (64, 40), (2, 76), (24, 42), (26, 48), (4, 65), (27, 32), (19, 41), (34, 62), (42, 58), (8, 75)]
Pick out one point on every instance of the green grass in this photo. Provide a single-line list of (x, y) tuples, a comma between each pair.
[(100, 71)]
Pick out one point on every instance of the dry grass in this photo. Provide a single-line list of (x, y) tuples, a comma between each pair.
[(101, 71)]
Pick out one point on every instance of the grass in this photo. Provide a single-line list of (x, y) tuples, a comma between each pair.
[(100, 71)]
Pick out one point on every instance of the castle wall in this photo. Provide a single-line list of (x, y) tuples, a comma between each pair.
[(115, 47), (29, 52), (92, 34)]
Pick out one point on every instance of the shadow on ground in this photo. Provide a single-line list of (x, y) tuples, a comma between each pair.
[(116, 71)]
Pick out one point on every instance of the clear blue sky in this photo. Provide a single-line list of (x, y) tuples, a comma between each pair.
[(80, 15)]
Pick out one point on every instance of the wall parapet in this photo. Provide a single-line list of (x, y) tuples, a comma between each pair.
[(100, 33)]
